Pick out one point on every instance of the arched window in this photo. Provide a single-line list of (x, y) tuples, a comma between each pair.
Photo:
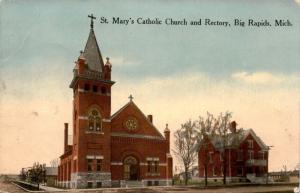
[(94, 119)]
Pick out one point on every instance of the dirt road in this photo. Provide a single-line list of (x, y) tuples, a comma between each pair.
[(6, 187)]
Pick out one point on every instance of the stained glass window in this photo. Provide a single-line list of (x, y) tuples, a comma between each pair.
[(94, 120)]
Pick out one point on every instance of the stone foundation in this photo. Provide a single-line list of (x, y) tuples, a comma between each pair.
[(84, 180), (157, 182), (90, 180), (220, 179), (64, 184)]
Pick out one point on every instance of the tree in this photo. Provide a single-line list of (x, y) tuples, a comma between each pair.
[(54, 162), (37, 173), (185, 146), (228, 136), (23, 174), (205, 128)]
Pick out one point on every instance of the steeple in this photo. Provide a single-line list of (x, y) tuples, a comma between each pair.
[(90, 64), (92, 52)]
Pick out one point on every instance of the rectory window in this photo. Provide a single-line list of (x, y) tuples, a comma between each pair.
[(262, 155), (211, 157), (239, 171), (214, 171), (251, 154), (239, 155), (222, 171)]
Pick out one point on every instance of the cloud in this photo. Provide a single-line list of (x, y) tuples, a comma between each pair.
[(264, 78), (121, 61), (2, 83), (298, 2)]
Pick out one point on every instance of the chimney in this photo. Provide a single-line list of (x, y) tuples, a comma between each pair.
[(233, 126), (150, 118), (167, 136), (66, 137)]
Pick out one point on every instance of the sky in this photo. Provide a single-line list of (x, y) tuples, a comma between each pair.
[(176, 73)]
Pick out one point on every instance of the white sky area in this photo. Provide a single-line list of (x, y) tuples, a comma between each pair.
[(173, 73)]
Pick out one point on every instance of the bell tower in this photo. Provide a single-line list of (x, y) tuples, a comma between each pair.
[(91, 86)]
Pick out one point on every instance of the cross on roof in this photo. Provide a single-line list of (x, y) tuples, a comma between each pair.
[(130, 97), (92, 20)]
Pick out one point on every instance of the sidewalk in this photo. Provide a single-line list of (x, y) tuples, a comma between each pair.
[(52, 189)]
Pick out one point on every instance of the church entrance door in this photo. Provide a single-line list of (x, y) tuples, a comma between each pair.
[(131, 168)]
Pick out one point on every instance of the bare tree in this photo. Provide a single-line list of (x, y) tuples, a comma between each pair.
[(228, 136), (54, 162), (185, 146), (37, 173), (205, 128)]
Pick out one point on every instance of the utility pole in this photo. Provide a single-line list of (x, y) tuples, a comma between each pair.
[(269, 147)]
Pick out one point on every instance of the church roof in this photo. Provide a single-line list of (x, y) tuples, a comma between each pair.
[(92, 53), (140, 112)]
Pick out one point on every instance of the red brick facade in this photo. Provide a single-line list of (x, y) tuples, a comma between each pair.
[(109, 149), (249, 159)]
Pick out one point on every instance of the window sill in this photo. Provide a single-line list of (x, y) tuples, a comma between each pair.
[(94, 132), (95, 172), (152, 174)]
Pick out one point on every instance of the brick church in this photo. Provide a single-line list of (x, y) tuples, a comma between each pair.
[(109, 150)]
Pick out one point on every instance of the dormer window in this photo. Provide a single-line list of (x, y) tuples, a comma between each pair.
[(250, 143), (94, 121)]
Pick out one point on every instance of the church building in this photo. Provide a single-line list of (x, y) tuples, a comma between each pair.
[(109, 150)]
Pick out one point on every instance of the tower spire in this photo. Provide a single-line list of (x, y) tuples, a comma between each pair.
[(92, 52), (92, 20)]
